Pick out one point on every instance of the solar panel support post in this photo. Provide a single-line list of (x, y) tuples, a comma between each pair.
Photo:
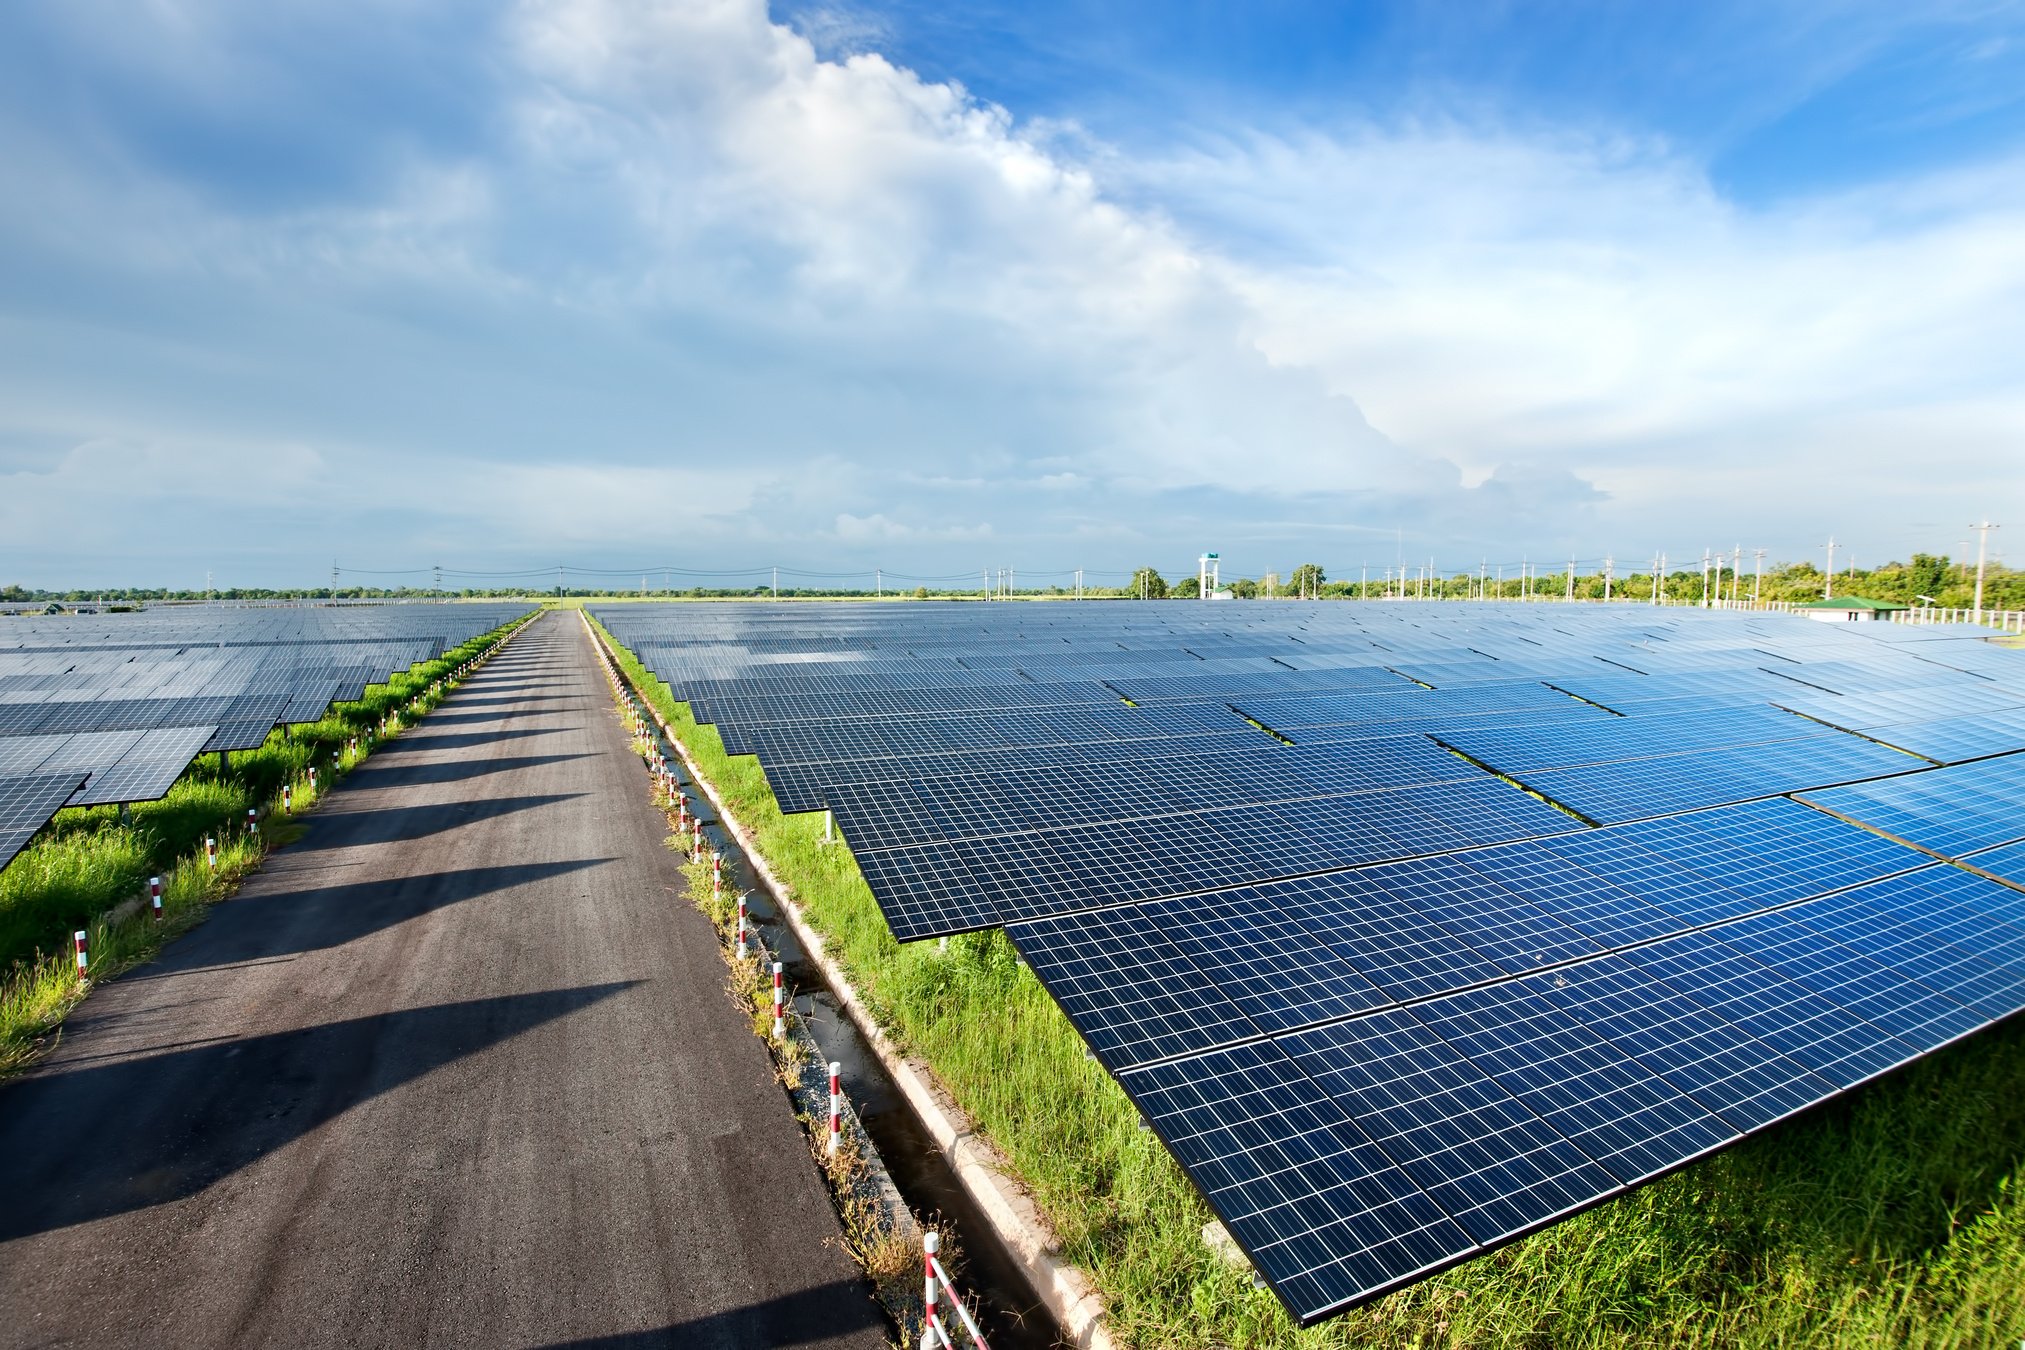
[(829, 827)]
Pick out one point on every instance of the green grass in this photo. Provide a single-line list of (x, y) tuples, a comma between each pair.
[(1892, 1217), (87, 860)]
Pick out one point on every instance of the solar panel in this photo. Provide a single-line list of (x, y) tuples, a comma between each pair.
[(130, 699), (26, 804), (1413, 928)]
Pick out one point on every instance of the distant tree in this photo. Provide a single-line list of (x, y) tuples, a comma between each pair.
[(1148, 584), (1188, 588), (1926, 575), (1307, 579), (1244, 588), (920, 592)]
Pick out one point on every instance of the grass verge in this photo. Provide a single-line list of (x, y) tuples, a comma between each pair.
[(1895, 1216), (88, 861)]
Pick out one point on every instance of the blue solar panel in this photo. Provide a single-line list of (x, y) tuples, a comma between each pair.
[(1537, 905)]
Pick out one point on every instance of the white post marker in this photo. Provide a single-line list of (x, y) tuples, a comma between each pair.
[(937, 1276), (211, 852), (836, 1106), (252, 821), (287, 799), (312, 778), (82, 962), (155, 897), (779, 1013), (743, 950)]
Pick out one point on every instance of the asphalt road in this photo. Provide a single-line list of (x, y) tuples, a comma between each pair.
[(456, 1068)]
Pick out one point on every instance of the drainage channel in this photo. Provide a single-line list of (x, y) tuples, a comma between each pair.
[(1008, 1313)]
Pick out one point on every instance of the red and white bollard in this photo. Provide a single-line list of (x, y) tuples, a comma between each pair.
[(83, 963), (211, 852), (836, 1107), (698, 846), (155, 897), (743, 950), (252, 821), (779, 1009), (312, 778), (287, 799), (930, 1242)]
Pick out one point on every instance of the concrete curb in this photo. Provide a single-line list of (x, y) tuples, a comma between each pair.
[(1063, 1288)]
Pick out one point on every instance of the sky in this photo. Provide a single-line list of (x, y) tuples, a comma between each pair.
[(637, 285)]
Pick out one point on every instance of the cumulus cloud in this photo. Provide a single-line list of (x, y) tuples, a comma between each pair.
[(651, 280)]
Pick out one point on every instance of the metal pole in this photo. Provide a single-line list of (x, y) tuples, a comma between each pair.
[(1828, 590), (1982, 556), (1758, 576)]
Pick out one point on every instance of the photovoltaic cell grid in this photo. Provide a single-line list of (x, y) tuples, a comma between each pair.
[(1414, 928), (117, 705)]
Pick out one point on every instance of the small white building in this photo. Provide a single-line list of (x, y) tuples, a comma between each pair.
[(1850, 609)]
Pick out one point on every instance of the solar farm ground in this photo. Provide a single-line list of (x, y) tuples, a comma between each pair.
[(455, 1068)]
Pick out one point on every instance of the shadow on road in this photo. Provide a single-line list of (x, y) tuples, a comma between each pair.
[(385, 773), (805, 1317), (415, 822), (104, 1140), (293, 922), (422, 739)]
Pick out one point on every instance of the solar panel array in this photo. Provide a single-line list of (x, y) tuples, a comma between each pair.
[(115, 706), (1413, 928)]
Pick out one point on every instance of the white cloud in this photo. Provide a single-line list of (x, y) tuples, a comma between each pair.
[(707, 283)]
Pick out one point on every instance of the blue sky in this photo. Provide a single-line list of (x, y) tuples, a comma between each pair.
[(936, 288)]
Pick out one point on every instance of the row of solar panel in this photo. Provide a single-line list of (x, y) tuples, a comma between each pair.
[(1488, 1095)]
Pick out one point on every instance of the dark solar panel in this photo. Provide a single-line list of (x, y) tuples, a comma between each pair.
[(1413, 928)]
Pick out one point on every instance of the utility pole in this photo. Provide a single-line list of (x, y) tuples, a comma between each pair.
[(1758, 576), (1828, 592), (776, 583), (1658, 566), (333, 580), (436, 579), (1736, 573), (879, 583), (1982, 556), (1571, 579), (558, 581), (1609, 566), (1705, 578)]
